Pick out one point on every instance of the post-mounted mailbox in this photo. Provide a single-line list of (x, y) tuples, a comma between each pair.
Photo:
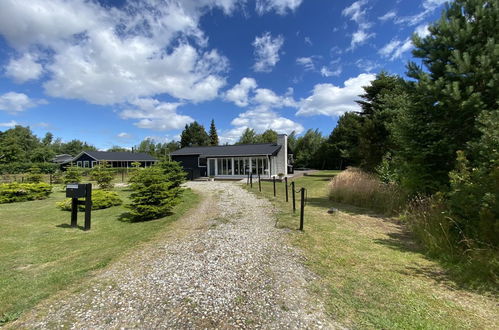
[(80, 190), (76, 190)]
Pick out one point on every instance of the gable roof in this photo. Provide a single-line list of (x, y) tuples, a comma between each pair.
[(262, 149), (117, 156)]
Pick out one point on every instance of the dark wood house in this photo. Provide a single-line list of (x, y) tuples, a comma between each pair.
[(236, 161), (88, 159)]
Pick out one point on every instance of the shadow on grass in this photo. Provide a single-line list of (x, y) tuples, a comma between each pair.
[(129, 218), (329, 176), (67, 225)]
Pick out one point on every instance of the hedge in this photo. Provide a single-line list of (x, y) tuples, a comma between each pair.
[(20, 192)]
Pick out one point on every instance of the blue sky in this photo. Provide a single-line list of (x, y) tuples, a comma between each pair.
[(116, 72)]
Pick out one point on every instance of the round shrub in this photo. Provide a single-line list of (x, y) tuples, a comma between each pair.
[(101, 199)]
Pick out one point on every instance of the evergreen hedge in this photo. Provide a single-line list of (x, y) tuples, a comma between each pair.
[(20, 192), (101, 199)]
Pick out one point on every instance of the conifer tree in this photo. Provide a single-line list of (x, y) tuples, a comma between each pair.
[(213, 134)]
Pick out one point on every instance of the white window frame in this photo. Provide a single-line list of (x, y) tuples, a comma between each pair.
[(86, 164), (202, 165), (94, 162), (79, 163)]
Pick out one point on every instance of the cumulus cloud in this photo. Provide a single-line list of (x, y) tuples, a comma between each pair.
[(13, 102), (331, 100), (9, 124), (357, 13), (279, 6), (267, 52), (422, 31), (260, 119), (239, 93), (156, 115), (24, 68), (106, 55)]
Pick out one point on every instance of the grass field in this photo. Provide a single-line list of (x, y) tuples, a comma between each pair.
[(372, 274), (40, 254)]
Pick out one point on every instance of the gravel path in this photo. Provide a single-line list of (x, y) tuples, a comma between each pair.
[(224, 265)]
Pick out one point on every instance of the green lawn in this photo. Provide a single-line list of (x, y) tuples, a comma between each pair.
[(372, 274), (40, 254)]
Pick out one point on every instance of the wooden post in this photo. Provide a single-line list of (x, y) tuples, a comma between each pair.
[(88, 205), (247, 180), (302, 207), (286, 184), (50, 178), (293, 195), (251, 180), (74, 212), (259, 183), (274, 184), (122, 175)]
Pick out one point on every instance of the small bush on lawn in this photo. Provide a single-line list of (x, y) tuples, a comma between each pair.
[(72, 175), (20, 192), (153, 194), (103, 175), (35, 175), (101, 199), (359, 188)]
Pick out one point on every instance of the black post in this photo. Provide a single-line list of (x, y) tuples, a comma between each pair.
[(274, 184), (251, 180), (247, 180), (293, 195), (50, 178), (74, 212), (286, 184), (259, 183), (88, 205), (302, 207)]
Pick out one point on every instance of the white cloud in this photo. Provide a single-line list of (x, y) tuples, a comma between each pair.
[(24, 68), (388, 16), (422, 31), (367, 65), (107, 55), (279, 6), (9, 124), (357, 13), (307, 63), (13, 102), (267, 52), (239, 93), (156, 115), (259, 119), (395, 48), (428, 7), (331, 100), (326, 72), (124, 135)]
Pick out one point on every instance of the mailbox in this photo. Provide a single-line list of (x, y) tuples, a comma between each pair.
[(76, 190)]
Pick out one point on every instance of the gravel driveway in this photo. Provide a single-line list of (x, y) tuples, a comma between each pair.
[(223, 265)]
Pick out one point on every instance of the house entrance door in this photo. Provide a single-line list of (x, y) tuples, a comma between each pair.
[(211, 167)]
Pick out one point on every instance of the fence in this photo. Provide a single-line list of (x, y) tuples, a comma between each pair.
[(302, 191)]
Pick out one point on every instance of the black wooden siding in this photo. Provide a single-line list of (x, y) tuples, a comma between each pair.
[(190, 165)]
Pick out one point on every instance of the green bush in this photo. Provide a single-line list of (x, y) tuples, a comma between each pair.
[(103, 175), (20, 192), (34, 175), (23, 167), (101, 199), (72, 175), (153, 195)]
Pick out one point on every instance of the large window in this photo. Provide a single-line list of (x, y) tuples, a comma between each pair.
[(239, 166)]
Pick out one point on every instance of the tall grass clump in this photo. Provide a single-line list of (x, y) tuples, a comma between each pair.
[(356, 187)]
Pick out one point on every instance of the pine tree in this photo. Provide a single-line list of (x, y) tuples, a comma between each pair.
[(193, 135), (213, 134), (248, 137), (460, 80)]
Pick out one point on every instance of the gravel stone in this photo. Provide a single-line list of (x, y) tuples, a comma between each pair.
[(223, 265)]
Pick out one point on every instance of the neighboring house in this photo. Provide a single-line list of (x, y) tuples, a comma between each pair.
[(89, 159), (236, 161), (62, 159)]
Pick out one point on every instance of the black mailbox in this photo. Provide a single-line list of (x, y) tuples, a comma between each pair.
[(76, 190)]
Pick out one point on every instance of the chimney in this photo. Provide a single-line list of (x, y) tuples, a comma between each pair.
[(282, 156)]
